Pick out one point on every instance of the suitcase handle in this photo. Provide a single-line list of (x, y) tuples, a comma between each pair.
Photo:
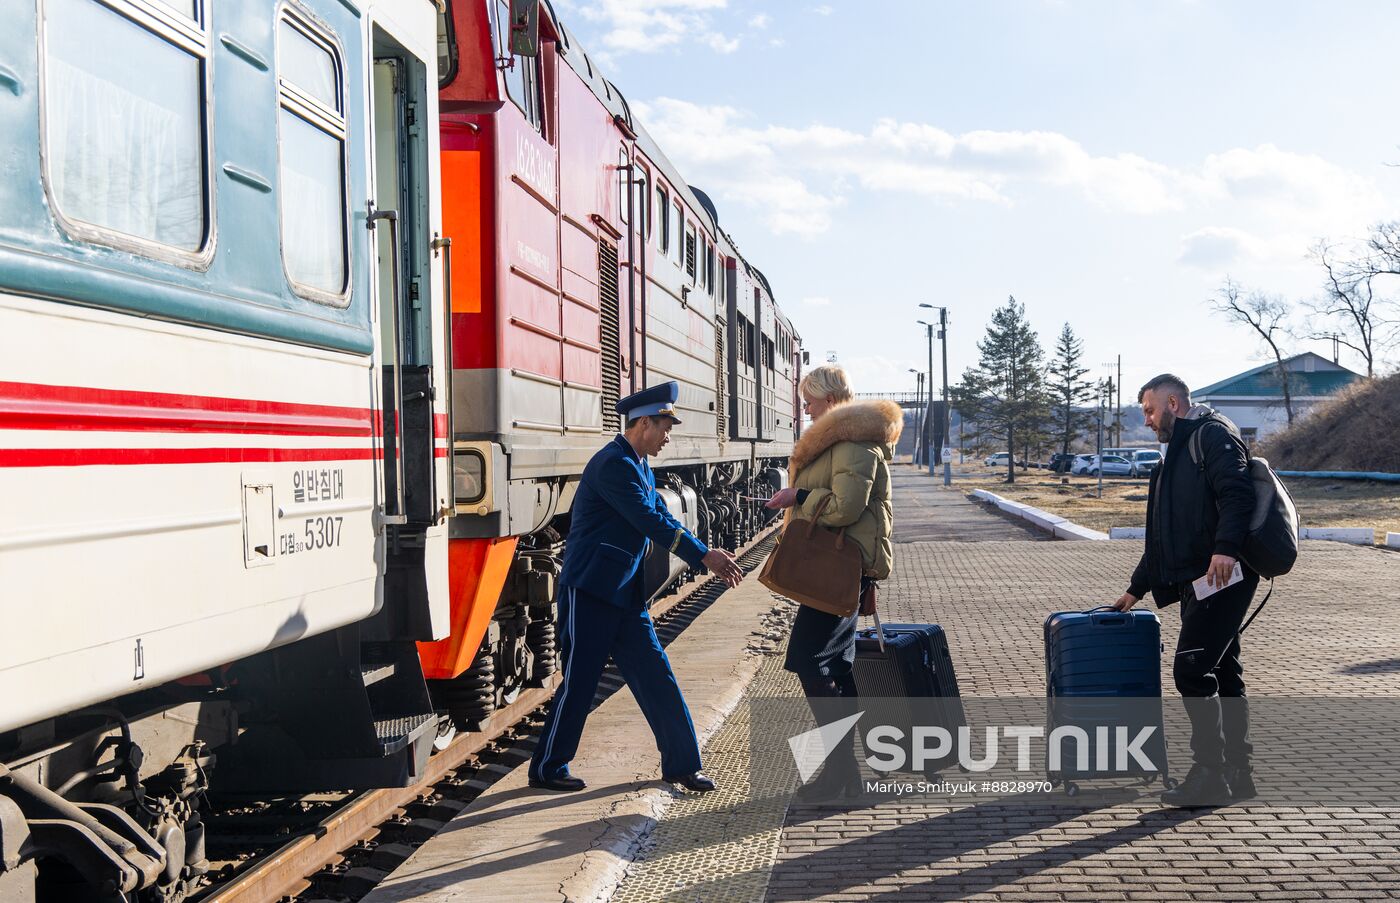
[(1099, 616)]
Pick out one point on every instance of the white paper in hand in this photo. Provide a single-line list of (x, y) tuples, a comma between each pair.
[(1205, 590)]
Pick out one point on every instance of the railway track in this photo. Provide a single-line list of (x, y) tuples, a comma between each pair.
[(358, 839)]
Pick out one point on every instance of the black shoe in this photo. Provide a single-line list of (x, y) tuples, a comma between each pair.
[(697, 781), (1241, 783), (564, 784), (1204, 786)]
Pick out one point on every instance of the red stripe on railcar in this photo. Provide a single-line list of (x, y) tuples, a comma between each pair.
[(108, 457), (33, 406)]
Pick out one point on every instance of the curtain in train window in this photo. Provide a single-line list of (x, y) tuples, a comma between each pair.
[(123, 110), (311, 130)]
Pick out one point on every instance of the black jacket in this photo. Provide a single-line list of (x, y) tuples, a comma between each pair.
[(1194, 511)]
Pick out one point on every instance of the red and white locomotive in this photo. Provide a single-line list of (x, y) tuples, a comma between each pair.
[(312, 315), (584, 268)]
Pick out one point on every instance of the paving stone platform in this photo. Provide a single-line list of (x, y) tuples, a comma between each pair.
[(1332, 630)]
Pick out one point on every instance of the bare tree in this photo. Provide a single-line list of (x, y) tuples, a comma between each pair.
[(1349, 295), (1267, 315)]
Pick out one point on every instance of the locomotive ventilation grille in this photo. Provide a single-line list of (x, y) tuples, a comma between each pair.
[(609, 333), (721, 411)]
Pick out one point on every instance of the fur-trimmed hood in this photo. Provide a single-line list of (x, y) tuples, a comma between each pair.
[(857, 421)]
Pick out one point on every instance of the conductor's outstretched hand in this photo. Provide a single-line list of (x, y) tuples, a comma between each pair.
[(723, 566)]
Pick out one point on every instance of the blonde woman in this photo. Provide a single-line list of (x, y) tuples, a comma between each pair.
[(843, 455)]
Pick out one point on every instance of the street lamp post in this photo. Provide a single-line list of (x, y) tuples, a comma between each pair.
[(918, 405), (1101, 412), (947, 408), (931, 453)]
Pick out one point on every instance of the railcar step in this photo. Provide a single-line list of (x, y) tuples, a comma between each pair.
[(396, 732), (374, 672)]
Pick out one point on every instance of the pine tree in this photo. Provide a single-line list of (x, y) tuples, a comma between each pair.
[(1005, 393), (1070, 390)]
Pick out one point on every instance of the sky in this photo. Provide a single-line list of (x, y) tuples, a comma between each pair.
[(1109, 164)]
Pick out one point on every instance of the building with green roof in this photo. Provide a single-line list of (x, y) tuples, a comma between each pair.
[(1254, 399)]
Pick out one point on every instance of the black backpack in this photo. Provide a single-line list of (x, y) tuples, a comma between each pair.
[(1271, 546)]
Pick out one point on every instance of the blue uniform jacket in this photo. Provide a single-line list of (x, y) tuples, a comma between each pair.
[(616, 511)]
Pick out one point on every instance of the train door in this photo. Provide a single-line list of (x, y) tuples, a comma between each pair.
[(350, 708), (408, 323)]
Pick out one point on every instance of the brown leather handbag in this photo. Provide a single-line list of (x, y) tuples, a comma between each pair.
[(815, 566)]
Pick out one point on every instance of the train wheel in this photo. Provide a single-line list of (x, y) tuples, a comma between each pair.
[(446, 733)]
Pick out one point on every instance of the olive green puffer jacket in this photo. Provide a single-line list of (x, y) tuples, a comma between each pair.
[(845, 454)]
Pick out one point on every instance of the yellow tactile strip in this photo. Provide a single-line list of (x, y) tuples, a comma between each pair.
[(720, 847)]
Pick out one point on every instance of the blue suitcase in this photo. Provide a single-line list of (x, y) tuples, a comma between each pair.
[(913, 663), (1104, 668)]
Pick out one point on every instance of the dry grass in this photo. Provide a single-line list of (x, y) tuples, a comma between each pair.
[(1321, 503), (1355, 430)]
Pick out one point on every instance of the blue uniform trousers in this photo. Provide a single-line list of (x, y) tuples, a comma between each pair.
[(593, 630)]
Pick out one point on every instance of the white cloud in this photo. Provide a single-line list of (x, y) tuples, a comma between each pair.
[(1222, 250), (796, 178), (823, 10), (1216, 247), (720, 44), (1301, 189), (817, 301), (647, 26), (759, 21), (777, 42)]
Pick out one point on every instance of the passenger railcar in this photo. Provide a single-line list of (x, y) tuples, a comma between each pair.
[(222, 445), (585, 268)]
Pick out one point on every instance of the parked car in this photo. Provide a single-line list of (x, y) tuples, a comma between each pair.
[(1080, 464), (1060, 463), (1111, 465), (999, 460), (1144, 461)]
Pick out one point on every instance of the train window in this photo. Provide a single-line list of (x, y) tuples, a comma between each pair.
[(522, 73), (124, 124), (678, 230), (623, 212), (710, 268), (663, 207), (187, 8), (642, 199), (446, 46), (311, 130), (690, 251), (307, 66)]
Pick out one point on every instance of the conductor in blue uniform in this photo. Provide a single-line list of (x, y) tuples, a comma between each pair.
[(617, 514)]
